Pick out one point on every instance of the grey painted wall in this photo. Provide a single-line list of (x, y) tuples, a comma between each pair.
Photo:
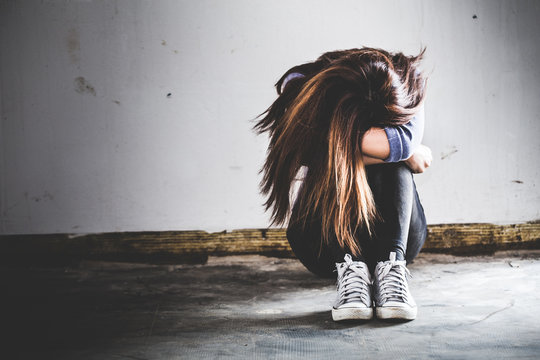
[(91, 141)]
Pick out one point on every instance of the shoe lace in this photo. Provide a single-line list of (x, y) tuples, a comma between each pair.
[(393, 277), (354, 283)]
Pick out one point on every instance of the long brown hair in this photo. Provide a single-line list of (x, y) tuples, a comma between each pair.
[(318, 120)]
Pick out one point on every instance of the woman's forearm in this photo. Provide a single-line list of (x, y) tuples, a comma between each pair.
[(375, 144)]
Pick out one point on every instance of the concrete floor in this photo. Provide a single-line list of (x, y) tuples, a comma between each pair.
[(258, 308)]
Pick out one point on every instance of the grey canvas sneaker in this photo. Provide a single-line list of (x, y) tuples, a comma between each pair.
[(354, 291), (393, 299)]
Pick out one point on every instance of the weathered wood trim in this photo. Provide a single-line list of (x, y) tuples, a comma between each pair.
[(196, 246)]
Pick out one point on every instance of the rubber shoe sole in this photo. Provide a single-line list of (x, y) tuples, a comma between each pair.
[(352, 314), (395, 312)]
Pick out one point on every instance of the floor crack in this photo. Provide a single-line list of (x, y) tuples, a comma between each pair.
[(493, 313)]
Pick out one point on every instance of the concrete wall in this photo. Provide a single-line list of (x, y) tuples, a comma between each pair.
[(135, 115)]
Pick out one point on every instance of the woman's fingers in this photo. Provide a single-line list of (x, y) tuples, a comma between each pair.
[(420, 160)]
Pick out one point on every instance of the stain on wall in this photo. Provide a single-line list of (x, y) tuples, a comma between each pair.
[(46, 196), (82, 86), (73, 45), (450, 152)]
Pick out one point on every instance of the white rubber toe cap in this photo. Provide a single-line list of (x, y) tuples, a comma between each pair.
[(402, 311), (350, 312)]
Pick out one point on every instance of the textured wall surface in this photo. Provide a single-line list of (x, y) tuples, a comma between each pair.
[(135, 115)]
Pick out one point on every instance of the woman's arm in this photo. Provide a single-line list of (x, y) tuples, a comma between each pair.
[(375, 144), (418, 163), (394, 143)]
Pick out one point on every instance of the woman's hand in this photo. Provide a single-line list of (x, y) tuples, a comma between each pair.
[(420, 159)]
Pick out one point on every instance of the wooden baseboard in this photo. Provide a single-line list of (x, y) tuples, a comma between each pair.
[(195, 246)]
